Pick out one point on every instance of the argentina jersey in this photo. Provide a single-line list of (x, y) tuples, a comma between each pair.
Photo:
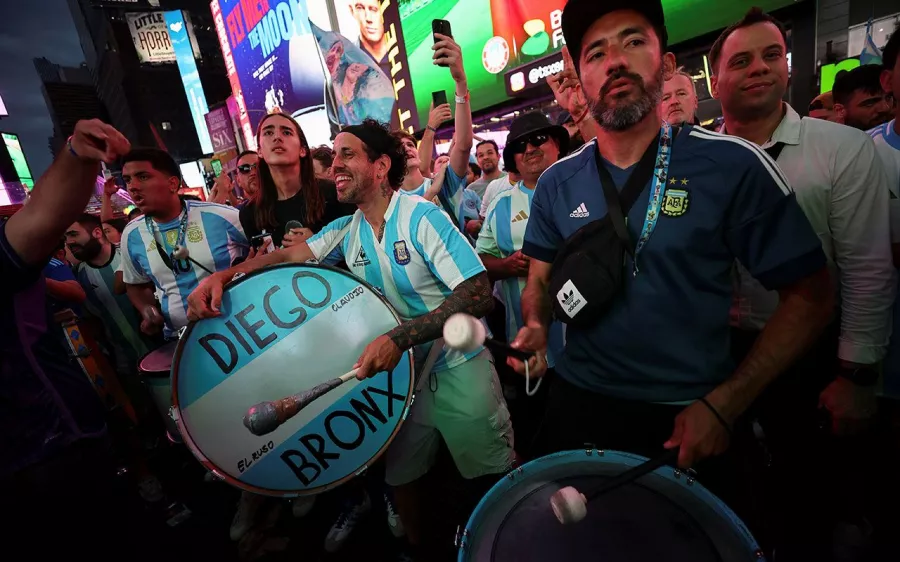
[(887, 145), (420, 260), (119, 317), (502, 235), (214, 238), (452, 193)]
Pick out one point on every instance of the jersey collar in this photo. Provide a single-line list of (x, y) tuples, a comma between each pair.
[(891, 136), (787, 132)]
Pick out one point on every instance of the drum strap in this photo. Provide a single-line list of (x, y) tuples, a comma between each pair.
[(428, 365)]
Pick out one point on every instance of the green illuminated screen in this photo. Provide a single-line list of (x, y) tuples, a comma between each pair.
[(17, 155), (530, 30)]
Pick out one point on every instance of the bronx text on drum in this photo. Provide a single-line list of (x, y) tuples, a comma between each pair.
[(282, 329)]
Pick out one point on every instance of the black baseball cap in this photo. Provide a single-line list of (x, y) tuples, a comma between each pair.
[(579, 15)]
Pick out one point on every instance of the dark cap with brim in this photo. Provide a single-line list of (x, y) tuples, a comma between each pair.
[(579, 15)]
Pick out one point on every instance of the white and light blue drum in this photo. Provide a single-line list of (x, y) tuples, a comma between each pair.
[(665, 515), (283, 330)]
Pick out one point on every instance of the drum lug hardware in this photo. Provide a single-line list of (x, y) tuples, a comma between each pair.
[(181, 331), (759, 554), (406, 410), (691, 476), (173, 413), (459, 541), (361, 470), (677, 474), (590, 448)]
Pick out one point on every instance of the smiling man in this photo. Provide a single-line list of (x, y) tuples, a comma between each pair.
[(842, 189), (427, 271)]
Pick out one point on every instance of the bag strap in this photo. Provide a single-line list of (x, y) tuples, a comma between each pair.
[(618, 206)]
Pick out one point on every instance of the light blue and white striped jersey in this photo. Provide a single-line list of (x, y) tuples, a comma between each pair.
[(214, 238), (120, 319), (887, 145), (502, 235), (452, 193), (420, 260)]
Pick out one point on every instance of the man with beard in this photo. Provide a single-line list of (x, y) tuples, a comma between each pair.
[(428, 272), (247, 178), (652, 369), (487, 154), (841, 187), (106, 294), (859, 100), (679, 101)]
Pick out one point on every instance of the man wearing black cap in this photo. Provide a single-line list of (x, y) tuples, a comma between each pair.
[(428, 272), (649, 367)]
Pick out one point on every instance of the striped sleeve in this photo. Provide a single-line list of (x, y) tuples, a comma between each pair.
[(132, 273), (327, 238), (449, 255), (487, 240)]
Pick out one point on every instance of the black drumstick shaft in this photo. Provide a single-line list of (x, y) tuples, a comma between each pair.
[(632, 474)]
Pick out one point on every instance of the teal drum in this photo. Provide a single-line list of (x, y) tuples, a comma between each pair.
[(283, 330), (665, 515)]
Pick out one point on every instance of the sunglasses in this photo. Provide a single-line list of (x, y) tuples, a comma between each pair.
[(246, 168), (535, 139)]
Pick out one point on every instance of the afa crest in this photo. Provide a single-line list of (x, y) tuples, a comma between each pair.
[(401, 253), (172, 237), (675, 203), (194, 234)]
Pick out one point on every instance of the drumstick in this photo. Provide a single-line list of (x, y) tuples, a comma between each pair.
[(466, 333), (266, 417), (570, 506), (182, 253)]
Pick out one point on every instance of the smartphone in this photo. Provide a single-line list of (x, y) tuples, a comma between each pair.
[(258, 240), (442, 27), (439, 98)]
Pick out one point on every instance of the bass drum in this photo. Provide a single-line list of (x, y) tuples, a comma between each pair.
[(665, 515), (283, 330)]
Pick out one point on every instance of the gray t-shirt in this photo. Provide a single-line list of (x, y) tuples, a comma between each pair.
[(480, 185)]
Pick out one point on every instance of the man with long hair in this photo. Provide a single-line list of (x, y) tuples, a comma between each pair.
[(408, 243), (289, 191)]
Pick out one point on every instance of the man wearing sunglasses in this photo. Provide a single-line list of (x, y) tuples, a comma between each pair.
[(533, 145), (247, 179)]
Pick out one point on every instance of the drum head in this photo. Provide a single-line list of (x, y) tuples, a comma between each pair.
[(284, 330), (660, 517), (159, 361)]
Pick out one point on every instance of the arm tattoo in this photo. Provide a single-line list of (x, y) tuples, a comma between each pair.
[(472, 296)]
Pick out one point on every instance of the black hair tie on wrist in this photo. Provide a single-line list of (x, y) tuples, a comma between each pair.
[(716, 413)]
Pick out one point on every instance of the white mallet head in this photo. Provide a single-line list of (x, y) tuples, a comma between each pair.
[(569, 505), (181, 253), (464, 332)]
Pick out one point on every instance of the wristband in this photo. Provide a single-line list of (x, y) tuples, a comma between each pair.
[(430, 128), (462, 99), (69, 146), (716, 413)]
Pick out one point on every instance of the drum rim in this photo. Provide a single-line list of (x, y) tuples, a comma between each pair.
[(628, 460), (195, 449), (156, 374)]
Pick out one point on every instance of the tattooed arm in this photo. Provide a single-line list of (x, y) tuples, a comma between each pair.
[(472, 296)]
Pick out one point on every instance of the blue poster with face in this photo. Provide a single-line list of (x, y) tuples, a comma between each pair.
[(275, 56)]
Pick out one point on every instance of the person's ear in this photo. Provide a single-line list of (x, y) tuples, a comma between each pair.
[(98, 232), (668, 66), (840, 113), (714, 86)]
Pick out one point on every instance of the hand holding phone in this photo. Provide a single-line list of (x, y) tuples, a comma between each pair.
[(442, 27)]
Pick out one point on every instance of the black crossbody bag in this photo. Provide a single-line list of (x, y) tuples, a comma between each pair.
[(587, 274)]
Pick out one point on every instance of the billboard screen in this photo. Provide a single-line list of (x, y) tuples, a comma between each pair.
[(281, 55), (17, 155), (499, 36), (187, 67), (218, 123)]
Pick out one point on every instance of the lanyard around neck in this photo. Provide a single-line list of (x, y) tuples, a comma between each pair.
[(657, 190), (160, 239)]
